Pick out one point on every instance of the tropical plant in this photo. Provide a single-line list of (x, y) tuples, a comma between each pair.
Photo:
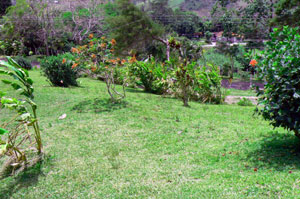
[(280, 69), (152, 75), (23, 137), (184, 81)]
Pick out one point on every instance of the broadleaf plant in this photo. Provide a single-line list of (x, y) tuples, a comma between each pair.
[(16, 138)]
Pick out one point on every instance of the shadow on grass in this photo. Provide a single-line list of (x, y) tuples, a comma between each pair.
[(277, 151), (98, 105), (24, 180)]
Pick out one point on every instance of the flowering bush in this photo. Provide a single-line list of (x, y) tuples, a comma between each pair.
[(98, 56), (60, 70)]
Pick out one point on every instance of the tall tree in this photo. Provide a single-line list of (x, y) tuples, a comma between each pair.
[(132, 28)]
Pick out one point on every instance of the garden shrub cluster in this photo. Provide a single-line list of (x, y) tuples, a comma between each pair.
[(58, 69), (186, 81)]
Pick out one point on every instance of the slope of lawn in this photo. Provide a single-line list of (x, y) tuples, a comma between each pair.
[(153, 147)]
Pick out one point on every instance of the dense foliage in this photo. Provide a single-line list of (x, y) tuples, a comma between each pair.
[(23, 62), (149, 74), (4, 4), (58, 70), (281, 70)]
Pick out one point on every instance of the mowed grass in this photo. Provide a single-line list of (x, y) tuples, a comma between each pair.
[(153, 147)]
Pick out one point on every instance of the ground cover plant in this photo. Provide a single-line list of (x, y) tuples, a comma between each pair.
[(151, 146)]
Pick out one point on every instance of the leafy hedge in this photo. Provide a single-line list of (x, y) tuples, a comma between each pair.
[(58, 70)]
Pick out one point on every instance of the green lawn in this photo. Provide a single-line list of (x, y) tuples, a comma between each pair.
[(153, 147)]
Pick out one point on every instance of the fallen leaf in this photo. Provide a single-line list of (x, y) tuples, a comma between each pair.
[(62, 117)]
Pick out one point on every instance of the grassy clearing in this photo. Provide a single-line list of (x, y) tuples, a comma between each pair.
[(153, 147)]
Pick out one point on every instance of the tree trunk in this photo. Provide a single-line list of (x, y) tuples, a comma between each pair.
[(168, 50)]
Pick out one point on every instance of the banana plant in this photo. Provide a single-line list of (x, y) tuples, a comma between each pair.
[(23, 84)]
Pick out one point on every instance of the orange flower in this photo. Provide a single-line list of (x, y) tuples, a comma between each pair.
[(103, 45), (74, 50), (74, 65), (112, 50), (123, 61), (133, 59), (77, 59), (93, 68), (253, 62), (113, 42), (94, 56), (106, 67), (91, 36), (103, 38), (113, 61), (64, 60), (91, 43)]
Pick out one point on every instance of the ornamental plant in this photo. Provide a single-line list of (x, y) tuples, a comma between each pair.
[(20, 136), (150, 74), (60, 71), (98, 56), (184, 81), (280, 69)]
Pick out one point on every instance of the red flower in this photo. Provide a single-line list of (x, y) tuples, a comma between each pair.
[(113, 42), (64, 60)]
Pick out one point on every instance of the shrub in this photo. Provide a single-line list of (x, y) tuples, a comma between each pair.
[(58, 70), (281, 70), (208, 85), (245, 102), (198, 83), (23, 62), (150, 74)]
